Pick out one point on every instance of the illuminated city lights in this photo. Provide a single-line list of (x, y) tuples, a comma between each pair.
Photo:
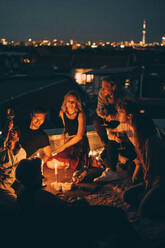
[(93, 44), (75, 45)]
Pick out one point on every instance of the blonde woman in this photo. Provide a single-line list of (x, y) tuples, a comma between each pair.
[(75, 148)]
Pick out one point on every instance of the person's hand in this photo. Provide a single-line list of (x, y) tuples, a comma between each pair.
[(112, 136), (108, 118), (10, 126)]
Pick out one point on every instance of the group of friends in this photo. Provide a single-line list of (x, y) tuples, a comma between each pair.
[(124, 130)]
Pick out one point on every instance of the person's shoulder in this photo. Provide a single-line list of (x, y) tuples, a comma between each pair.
[(61, 114), (22, 151), (81, 114)]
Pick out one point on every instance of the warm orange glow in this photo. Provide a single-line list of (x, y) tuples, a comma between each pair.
[(127, 83), (89, 78), (142, 111), (94, 45), (81, 77), (60, 186), (26, 60)]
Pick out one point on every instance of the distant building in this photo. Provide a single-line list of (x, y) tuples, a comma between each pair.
[(163, 41), (3, 42), (144, 33)]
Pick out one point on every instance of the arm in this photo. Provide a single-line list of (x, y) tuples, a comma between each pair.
[(63, 138), (47, 153), (121, 133), (154, 160), (136, 171), (100, 105), (78, 136), (6, 132), (110, 118)]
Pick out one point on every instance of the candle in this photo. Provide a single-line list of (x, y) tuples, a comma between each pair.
[(42, 167), (94, 153), (55, 166)]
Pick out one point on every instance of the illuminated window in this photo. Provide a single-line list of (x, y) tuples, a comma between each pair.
[(127, 83), (26, 60), (81, 77)]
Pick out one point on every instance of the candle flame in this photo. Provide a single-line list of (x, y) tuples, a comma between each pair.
[(55, 166)]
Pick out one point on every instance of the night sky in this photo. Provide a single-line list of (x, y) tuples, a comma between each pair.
[(82, 20)]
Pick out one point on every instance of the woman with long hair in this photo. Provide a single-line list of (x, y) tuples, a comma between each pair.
[(150, 149), (75, 148)]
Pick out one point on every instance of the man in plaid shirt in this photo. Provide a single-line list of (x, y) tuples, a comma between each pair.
[(116, 140)]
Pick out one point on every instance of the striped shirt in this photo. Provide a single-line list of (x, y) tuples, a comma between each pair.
[(103, 105)]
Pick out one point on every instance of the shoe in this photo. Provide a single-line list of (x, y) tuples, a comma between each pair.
[(107, 176), (79, 175)]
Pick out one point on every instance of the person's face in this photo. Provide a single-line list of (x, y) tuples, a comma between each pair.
[(13, 139), (122, 115), (14, 135), (71, 104), (108, 89), (37, 120)]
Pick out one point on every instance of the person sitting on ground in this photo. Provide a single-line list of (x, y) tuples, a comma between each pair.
[(148, 195), (75, 148), (32, 135), (42, 208), (33, 199), (10, 155), (106, 116)]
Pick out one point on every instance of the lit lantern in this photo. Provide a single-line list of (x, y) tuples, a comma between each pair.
[(90, 153), (142, 111)]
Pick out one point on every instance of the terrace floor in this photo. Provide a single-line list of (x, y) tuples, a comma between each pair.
[(109, 194), (152, 232)]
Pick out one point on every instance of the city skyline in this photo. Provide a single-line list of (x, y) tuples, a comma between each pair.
[(82, 20)]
